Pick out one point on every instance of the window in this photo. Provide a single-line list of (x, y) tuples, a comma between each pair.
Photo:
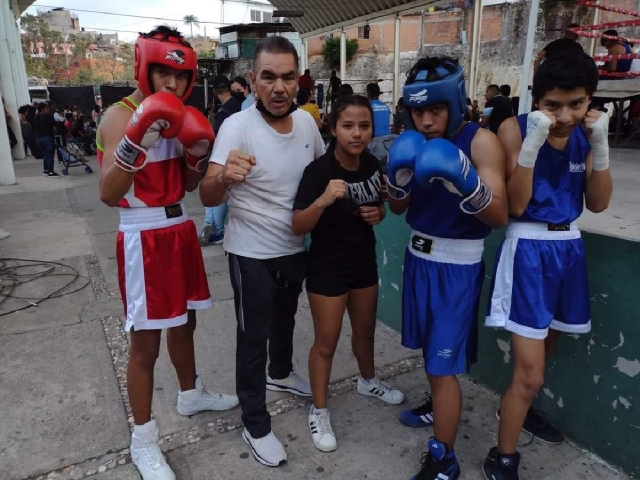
[(363, 32), (266, 17), (256, 15)]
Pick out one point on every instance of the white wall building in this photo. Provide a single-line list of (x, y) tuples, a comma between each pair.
[(246, 11)]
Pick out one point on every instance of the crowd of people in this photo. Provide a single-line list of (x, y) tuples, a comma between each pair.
[(263, 157)]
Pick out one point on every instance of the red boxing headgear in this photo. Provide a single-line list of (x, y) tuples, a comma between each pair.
[(168, 50)]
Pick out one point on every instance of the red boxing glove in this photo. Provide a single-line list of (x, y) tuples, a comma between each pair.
[(197, 139), (161, 114)]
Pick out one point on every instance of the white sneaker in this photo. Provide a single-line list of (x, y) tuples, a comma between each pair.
[(4, 234), (146, 453), (267, 450), (381, 390), (199, 399), (321, 432), (294, 383)]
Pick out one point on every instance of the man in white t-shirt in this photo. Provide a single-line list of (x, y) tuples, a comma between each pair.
[(257, 162)]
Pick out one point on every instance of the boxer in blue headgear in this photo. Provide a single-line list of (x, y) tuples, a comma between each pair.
[(429, 170)]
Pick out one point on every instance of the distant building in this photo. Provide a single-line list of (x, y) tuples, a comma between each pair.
[(61, 20), (239, 41), (203, 43), (248, 11)]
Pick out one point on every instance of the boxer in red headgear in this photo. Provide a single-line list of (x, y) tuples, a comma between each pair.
[(151, 149)]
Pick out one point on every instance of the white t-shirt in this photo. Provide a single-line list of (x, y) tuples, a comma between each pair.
[(261, 208)]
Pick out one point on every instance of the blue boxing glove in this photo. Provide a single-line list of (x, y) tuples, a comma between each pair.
[(440, 159), (401, 161)]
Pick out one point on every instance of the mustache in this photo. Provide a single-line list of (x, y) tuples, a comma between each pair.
[(279, 97)]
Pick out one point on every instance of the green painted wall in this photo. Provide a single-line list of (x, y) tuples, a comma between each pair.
[(592, 385)]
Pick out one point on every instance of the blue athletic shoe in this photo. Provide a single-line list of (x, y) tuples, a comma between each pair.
[(438, 463), (419, 417)]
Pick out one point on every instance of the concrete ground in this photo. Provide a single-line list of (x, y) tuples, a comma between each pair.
[(62, 363)]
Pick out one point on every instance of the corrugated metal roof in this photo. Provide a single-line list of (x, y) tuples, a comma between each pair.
[(321, 16)]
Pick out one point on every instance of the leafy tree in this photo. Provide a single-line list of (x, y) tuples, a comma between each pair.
[(331, 50), (84, 75), (207, 54), (191, 20), (46, 53)]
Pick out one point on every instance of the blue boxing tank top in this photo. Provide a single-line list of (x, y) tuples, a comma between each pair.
[(558, 179), (435, 211)]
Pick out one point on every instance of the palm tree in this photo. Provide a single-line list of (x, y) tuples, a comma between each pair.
[(191, 20)]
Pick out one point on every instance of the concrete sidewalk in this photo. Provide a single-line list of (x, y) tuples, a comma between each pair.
[(62, 372)]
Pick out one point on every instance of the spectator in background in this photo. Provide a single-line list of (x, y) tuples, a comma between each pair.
[(616, 47), (334, 86), (399, 118), (215, 217), (497, 109), (381, 112), (96, 114), (515, 101), (345, 90), (13, 141), (240, 85), (567, 44), (305, 82), (46, 128), (312, 108)]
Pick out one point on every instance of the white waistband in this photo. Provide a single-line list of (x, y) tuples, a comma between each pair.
[(447, 250), (150, 218), (542, 231)]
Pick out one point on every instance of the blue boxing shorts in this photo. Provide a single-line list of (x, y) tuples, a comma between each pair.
[(540, 281), (440, 295)]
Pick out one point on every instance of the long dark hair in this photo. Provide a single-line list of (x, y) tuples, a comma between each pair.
[(342, 103)]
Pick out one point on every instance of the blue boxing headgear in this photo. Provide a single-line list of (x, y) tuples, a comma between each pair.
[(434, 80)]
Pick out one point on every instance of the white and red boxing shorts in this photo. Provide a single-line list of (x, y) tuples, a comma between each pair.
[(160, 268)]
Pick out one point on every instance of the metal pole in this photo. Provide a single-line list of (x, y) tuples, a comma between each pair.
[(525, 103), (343, 55), (396, 60), (206, 93), (593, 45), (475, 49)]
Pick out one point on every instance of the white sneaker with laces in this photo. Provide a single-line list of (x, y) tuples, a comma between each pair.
[(267, 450), (381, 390), (199, 399), (321, 432), (4, 234), (146, 454), (294, 383)]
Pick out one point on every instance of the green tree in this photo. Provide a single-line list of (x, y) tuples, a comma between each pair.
[(84, 75), (331, 50), (39, 46), (46, 52), (207, 54), (191, 20)]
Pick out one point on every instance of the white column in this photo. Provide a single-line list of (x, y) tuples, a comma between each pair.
[(15, 56), (7, 174), (475, 49), (20, 78), (525, 101), (396, 60), (343, 56)]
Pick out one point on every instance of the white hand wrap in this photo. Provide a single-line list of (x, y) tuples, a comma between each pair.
[(538, 125), (599, 142)]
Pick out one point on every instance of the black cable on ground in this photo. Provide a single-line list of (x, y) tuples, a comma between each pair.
[(16, 272)]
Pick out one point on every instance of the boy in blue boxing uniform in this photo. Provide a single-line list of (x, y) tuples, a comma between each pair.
[(557, 161), (449, 176)]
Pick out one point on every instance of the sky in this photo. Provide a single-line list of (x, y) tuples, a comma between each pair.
[(205, 10)]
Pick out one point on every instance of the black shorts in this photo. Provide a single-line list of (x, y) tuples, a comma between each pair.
[(330, 284)]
